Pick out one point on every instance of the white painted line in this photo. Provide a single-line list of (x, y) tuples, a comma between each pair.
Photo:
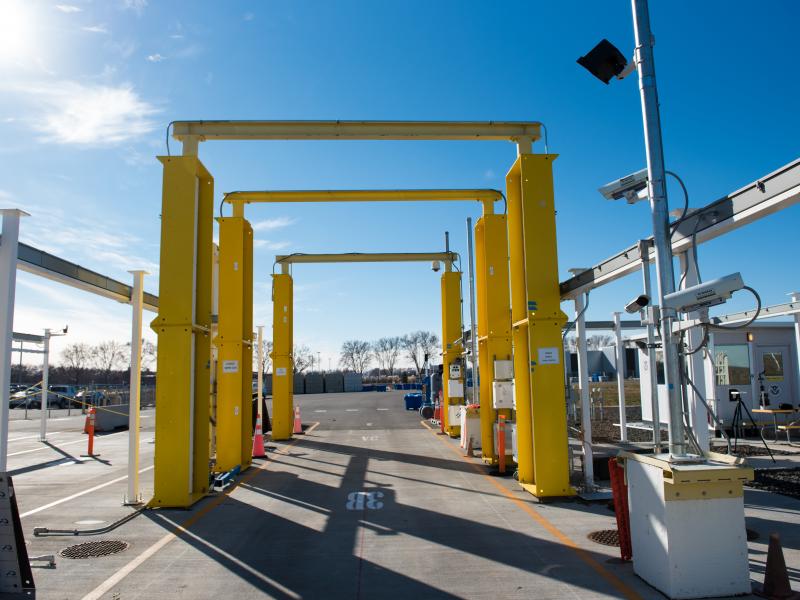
[(79, 494), (47, 448), (323, 410), (351, 409), (30, 437), (381, 409), (369, 424)]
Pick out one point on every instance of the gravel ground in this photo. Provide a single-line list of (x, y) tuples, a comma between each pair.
[(779, 481)]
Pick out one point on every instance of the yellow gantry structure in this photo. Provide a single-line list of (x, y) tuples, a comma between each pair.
[(189, 385), (283, 325)]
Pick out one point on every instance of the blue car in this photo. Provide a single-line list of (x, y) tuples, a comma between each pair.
[(413, 401)]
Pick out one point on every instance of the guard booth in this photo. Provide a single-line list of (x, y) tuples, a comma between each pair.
[(760, 363)]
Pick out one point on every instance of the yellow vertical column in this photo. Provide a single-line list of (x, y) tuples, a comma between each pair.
[(247, 345), (183, 325), (282, 369), (452, 389), (537, 322), (494, 318), (232, 406)]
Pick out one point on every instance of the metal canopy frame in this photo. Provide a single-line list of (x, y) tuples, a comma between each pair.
[(763, 197), (366, 257)]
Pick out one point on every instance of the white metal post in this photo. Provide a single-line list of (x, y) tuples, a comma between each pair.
[(8, 286), (473, 334), (137, 293), (45, 386), (652, 359), (259, 388), (583, 383), (796, 298), (623, 419), (698, 414)]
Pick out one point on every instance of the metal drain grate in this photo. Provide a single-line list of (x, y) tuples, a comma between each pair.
[(607, 537), (93, 549)]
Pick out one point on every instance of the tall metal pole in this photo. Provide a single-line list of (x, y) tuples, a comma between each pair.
[(260, 384), (8, 286), (45, 386), (623, 420), (473, 334), (645, 65), (134, 401)]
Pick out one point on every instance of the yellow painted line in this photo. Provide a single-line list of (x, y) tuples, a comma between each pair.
[(179, 530), (615, 581), (79, 494)]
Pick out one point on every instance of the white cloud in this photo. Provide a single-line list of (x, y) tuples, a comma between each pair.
[(270, 245), (68, 8), (271, 224), (96, 29), (87, 115), (135, 5), (156, 57)]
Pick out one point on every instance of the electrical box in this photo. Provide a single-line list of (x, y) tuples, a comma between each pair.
[(511, 438), (503, 369), (455, 371), (455, 389), (503, 394)]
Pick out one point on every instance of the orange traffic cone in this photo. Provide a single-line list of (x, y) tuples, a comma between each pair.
[(776, 577), (298, 424), (258, 440)]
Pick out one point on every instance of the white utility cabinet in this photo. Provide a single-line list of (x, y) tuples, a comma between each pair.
[(503, 394), (687, 525)]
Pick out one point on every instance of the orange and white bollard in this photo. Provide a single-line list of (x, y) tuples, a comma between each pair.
[(89, 429), (501, 443), (298, 424)]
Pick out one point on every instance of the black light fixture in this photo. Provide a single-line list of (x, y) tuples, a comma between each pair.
[(604, 61)]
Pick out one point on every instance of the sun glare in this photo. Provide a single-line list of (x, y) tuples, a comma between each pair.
[(16, 31)]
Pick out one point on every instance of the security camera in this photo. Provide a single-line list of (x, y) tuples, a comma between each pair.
[(435, 266), (704, 295), (637, 304), (632, 188)]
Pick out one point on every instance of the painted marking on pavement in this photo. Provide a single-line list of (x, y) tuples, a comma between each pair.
[(369, 424), (610, 577), (351, 409), (360, 500), (30, 437), (181, 529), (73, 496), (369, 438), (321, 410), (48, 447), (381, 409)]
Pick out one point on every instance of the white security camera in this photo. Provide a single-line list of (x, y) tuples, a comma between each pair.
[(435, 266), (704, 295), (631, 187), (637, 304)]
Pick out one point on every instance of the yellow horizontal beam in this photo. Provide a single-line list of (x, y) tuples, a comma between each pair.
[(362, 257), (358, 130), (248, 197)]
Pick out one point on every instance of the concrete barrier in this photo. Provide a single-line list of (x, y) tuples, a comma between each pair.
[(111, 417)]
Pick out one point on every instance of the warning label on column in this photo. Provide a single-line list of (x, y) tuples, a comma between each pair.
[(548, 356), (230, 366), (280, 371)]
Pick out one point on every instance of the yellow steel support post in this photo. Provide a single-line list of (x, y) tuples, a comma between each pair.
[(494, 318), (537, 321), (452, 389), (232, 405), (183, 326), (247, 346), (282, 367)]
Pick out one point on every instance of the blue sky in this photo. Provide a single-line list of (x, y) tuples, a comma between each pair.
[(89, 87)]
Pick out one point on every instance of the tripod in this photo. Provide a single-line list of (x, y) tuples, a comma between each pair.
[(737, 425)]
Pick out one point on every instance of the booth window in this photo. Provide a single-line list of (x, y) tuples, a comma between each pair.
[(732, 363), (773, 366)]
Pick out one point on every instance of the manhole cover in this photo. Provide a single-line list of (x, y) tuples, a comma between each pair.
[(607, 537), (92, 549)]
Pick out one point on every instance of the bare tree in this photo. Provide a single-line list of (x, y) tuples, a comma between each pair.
[(418, 345), (75, 359), (266, 361), (356, 355), (149, 354), (302, 358), (386, 351), (571, 343), (598, 341), (109, 355)]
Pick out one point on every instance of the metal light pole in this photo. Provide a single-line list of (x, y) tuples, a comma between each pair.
[(133, 496), (45, 385), (645, 65)]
